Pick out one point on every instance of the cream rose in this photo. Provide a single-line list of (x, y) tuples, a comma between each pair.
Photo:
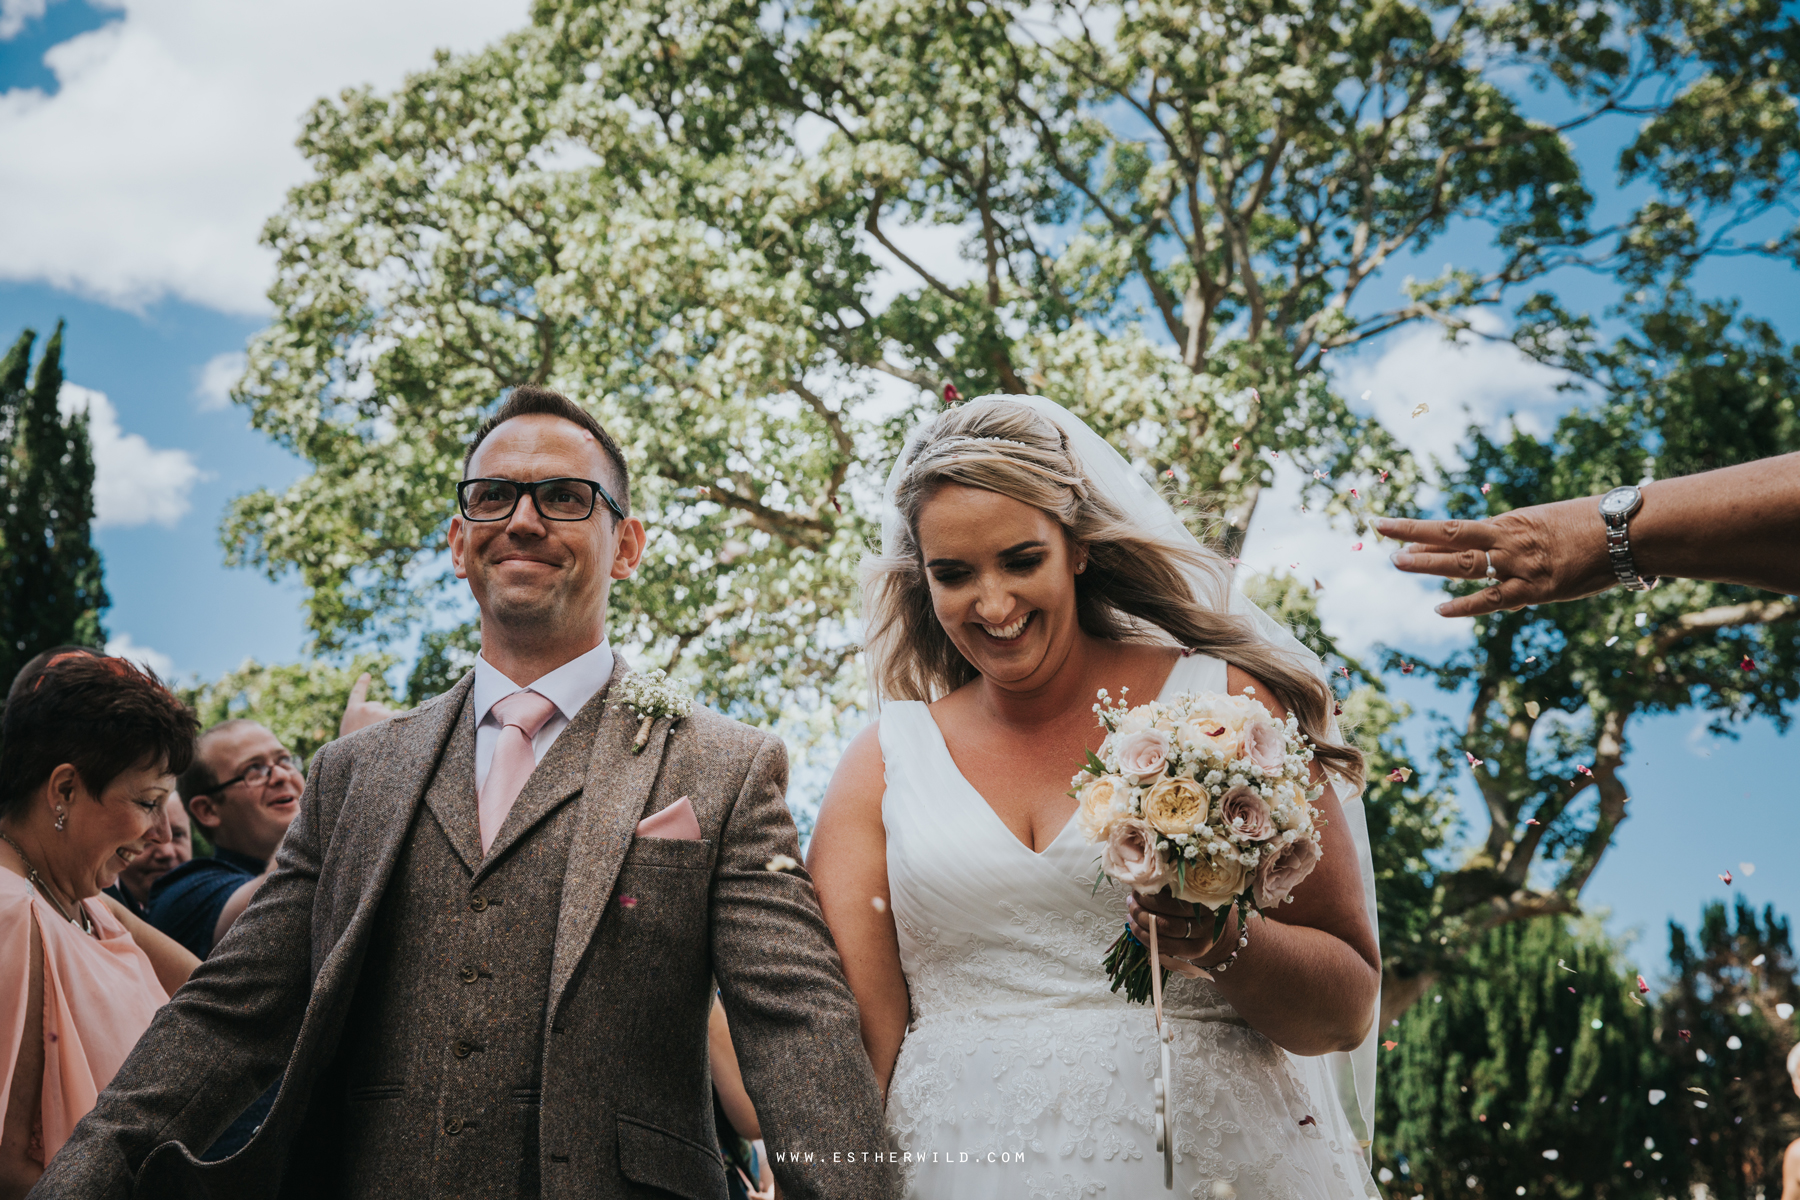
[(1143, 754), (1131, 858), (1176, 806), (1265, 744), (1100, 806), (1244, 812), (1282, 869), (1212, 884)]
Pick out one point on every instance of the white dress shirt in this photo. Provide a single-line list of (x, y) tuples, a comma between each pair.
[(569, 687)]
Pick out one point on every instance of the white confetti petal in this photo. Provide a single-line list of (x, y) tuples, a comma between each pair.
[(1657, 1095)]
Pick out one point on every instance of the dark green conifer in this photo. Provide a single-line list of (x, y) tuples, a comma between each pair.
[(51, 591)]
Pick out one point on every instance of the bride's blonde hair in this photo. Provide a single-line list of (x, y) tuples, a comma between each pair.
[(1136, 582)]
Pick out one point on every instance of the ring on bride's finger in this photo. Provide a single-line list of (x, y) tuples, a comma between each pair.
[(1492, 576), (1189, 935)]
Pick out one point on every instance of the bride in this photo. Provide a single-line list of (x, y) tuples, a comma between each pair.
[(1025, 567)]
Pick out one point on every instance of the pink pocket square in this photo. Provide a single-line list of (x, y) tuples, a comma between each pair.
[(675, 822)]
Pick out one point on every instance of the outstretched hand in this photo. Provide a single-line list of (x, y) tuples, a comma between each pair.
[(1539, 554), (362, 712)]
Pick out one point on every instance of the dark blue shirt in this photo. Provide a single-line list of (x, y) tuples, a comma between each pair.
[(186, 903), (117, 892)]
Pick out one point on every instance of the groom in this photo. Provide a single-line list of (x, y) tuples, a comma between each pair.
[(487, 955)]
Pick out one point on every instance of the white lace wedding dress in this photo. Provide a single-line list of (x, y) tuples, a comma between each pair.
[(1021, 1074)]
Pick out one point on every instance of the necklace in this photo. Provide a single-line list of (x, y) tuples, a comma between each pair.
[(79, 920)]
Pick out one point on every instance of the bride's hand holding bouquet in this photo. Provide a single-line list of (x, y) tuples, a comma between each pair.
[(1208, 798)]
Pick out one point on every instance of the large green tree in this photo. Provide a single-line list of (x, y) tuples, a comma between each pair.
[(1169, 215), (1553, 690), (51, 591)]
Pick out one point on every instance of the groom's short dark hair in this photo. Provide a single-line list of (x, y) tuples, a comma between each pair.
[(531, 400)]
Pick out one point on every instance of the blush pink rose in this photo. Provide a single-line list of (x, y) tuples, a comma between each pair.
[(1144, 753), (1131, 858), (1244, 811), (1282, 869), (1265, 745)]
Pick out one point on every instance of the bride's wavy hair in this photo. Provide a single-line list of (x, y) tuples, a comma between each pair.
[(1136, 583)]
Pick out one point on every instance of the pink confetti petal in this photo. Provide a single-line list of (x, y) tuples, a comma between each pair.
[(1725, 878), (1356, 493), (1473, 761), (1389, 1045), (1406, 668), (628, 901), (1643, 988), (1486, 488), (1583, 770), (1384, 476), (1357, 546), (1749, 664)]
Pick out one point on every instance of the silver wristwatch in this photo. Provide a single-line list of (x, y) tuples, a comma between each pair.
[(1616, 509)]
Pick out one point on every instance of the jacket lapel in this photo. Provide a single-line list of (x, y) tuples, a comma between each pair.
[(415, 748), (451, 796), (615, 792)]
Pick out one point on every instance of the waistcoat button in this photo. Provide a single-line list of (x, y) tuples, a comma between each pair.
[(478, 904), (462, 1049), (470, 974), (453, 1126)]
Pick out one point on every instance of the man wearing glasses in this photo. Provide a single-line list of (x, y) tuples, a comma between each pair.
[(242, 793), (485, 963)]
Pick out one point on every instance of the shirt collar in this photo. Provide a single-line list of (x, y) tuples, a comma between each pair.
[(569, 687)]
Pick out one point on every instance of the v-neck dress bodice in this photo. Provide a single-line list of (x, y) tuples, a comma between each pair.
[(1019, 1057)]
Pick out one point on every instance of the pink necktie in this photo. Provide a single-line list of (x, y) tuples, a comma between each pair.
[(521, 715)]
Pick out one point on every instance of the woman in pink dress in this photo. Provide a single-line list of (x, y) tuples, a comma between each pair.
[(89, 749)]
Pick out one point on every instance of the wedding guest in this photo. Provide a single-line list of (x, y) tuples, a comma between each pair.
[(35, 666), (748, 1175), (1734, 525), (242, 790), (133, 888), (89, 749)]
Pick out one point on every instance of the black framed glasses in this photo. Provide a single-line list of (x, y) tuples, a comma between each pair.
[(556, 499), (258, 774)]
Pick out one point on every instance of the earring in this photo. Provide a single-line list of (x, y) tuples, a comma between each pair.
[(1081, 566), (62, 819)]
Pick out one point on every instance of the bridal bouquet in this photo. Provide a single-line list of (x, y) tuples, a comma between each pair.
[(1208, 796)]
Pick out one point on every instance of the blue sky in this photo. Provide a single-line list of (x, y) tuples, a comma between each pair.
[(145, 153)]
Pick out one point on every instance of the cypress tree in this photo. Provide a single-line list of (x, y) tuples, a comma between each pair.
[(51, 590), (1530, 1073)]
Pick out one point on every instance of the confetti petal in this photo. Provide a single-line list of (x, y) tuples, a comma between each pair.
[(1759, 960), (1583, 770), (1532, 659), (781, 862), (1356, 494), (1235, 443), (1368, 393), (1308, 1120), (1473, 761), (1486, 488), (1784, 1011), (628, 901), (1613, 640), (1749, 664), (1657, 1096), (1399, 775), (1725, 879), (1357, 546), (1531, 709), (1406, 668), (1699, 1091), (1552, 1155), (1383, 478), (1643, 988), (1421, 410), (1684, 1034), (1533, 821), (1389, 1045), (1565, 966)]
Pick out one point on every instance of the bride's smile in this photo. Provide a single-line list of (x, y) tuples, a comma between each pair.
[(1002, 577)]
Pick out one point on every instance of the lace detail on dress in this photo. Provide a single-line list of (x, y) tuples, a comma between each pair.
[(1018, 1050)]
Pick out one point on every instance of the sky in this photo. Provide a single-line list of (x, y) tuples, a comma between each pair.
[(144, 142)]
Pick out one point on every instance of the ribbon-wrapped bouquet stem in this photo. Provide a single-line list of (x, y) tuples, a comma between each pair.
[(1206, 795)]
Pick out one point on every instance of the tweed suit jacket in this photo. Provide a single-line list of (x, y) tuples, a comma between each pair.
[(624, 1082)]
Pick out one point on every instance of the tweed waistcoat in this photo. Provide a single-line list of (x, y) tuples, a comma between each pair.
[(441, 1071)]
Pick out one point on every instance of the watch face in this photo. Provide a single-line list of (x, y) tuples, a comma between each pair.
[(1619, 500)]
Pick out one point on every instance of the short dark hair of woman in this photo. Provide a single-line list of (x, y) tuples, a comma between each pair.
[(101, 715), (531, 400), (32, 669)]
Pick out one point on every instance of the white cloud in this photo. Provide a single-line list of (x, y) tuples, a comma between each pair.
[(134, 483), (171, 140), (1470, 381), (123, 647), (216, 379), (15, 13)]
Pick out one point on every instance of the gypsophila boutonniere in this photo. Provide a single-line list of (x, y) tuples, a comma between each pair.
[(652, 694)]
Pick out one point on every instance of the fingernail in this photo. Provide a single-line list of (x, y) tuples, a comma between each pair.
[(1440, 608)]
